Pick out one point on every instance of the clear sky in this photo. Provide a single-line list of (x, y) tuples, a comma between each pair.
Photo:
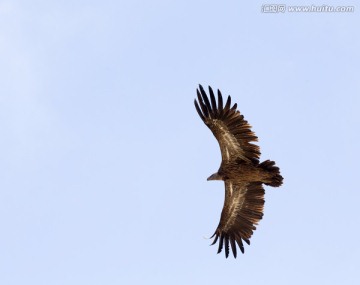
[(104, 159)]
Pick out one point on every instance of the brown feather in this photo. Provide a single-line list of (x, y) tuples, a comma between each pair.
[(221, 243), (213, 101), (205, 98), (228, 104), (226, 247), (199, 111), (202, 105), (215, 239), (220, 103), (233, 246)]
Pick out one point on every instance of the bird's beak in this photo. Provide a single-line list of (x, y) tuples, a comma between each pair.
[(215, 176)]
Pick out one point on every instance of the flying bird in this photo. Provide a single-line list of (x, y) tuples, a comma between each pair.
[(240, 169)]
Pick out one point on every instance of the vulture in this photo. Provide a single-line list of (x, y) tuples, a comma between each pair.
[(240, 169)]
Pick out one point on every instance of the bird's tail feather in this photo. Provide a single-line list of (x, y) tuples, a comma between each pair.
[(269, 166)]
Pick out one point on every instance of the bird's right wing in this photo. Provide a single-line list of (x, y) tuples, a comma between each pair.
[(243, 209)]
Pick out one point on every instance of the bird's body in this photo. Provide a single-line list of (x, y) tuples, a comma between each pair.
[(245, 172), (240, 170)]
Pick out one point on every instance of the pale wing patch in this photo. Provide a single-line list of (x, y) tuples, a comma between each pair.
[(236, 198), (227, 153), (228, 142), (230, 187)]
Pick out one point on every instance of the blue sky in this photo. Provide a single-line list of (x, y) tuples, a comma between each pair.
[(104, 159)]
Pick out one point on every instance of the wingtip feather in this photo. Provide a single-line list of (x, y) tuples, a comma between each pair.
[(221, 242), (213, 101), (226, 247)]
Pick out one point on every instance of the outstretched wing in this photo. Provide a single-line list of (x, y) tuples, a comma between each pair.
[(243, 209), (228, 126)]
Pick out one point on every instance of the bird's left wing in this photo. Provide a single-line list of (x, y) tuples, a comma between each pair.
[(243, 208), (228, 126)]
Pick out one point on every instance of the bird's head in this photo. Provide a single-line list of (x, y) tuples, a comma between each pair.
[(215, 176)]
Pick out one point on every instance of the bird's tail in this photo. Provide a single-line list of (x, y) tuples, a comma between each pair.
[(275, 178)]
